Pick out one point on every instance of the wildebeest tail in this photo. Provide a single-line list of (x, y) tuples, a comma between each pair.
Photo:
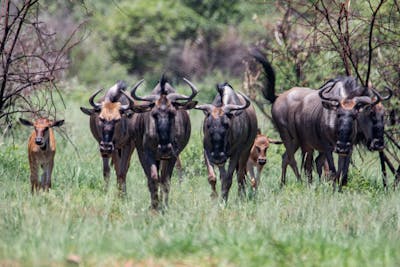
[(269, 88)]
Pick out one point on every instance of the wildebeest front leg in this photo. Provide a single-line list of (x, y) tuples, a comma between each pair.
[(345, 170), (124, 159), (151, 172), (241, 172), (226, 183), (106, 171), (167, 167), (211, 176)]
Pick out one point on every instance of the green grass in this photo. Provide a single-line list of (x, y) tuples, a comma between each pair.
[(297, 225)]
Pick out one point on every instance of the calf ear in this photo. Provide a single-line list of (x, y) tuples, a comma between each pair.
[(87, 111), (25, 122), (57, 123), (273, 141)]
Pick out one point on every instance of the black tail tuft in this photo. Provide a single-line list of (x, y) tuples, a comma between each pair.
[(269, 89)]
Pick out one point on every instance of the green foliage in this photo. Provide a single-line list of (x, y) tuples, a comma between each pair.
[(142, 32), (216, 11)]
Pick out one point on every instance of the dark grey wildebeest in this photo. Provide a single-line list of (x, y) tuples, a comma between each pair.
[(111, 124), (162, 133), (370, 129), (322, 120), (229, 128)]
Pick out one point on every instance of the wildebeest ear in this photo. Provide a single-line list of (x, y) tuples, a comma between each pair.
[(25, 122), (187, 105), (330, 105), (88, 111), (57, 123)]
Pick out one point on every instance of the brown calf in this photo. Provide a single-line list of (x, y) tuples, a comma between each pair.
[(41, 151), (258, 157)]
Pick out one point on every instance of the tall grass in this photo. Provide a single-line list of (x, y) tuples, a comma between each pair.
[(298, 225)]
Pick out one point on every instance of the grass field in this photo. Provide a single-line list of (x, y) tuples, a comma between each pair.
[(78, 223)]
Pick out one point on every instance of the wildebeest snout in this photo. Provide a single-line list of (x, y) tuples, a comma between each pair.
[(343, 147), (165, 151), (218, 157), (376, 145), (106, 148)]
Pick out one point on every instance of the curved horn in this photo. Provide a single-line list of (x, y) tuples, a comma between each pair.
[(175, 97), (149, 98), (331, 98), (231, 107), (364, 100), (390, 94), (131, 101), (205, 107), (91, 99), (379, 97)]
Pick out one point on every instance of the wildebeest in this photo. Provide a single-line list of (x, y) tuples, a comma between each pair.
[(162, 133), (41, 151), (258, 157), (370, 131), (111, 124), (229, 128), (320, 120)]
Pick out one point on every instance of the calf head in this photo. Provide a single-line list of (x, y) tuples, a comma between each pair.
[(41, 129), (108, 116), (346, 112), (259, 149), (160, 128), (371, 122), (217, 129)]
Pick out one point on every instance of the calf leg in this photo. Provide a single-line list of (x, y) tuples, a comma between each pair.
[(48, 169), (211, 176), (34, 177), (250, 170)]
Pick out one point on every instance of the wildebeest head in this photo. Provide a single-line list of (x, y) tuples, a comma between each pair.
[(371, 122), (217, 127), (108, 114), (161, 122), (346, 111), (41, 127)]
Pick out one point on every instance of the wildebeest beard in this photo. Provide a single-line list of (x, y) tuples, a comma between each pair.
[(164, 121), (106, 144), (218, 144), (345, 131)]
